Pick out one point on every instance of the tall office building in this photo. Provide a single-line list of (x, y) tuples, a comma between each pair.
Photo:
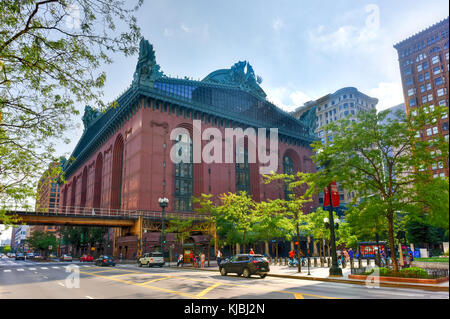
[(332, 107), (424, 67)]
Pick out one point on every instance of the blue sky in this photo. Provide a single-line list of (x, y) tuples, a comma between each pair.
[(302, 49)]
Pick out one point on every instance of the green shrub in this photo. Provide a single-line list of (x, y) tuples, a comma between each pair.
[(413, 272)]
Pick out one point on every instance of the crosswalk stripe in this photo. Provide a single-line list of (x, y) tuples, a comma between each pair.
[(20, 269), (31, 268), (7, 270), (44, 268), (55, 267)]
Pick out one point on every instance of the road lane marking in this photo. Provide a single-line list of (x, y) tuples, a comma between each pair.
[(89, 297), (20, 269), (148, 287), (128, 273), (96, 272), (298, 296), (44, 268), (61, 284), (205, 291), (55, 267), (158, 279), (7, 270), (31, 268)]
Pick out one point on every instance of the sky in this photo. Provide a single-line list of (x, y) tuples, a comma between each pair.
[(303, 50)]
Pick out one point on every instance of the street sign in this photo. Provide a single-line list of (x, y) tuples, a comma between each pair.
[(50, 247)]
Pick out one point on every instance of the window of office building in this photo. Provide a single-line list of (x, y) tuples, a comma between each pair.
[(427, 76), (422, 88), (184, 177), (428, 86), (425, 65), (409, 81), (445, 126), (440, 92), (437, 70), (410, 92), (429, 132), (435, 59), (424, 99), (419, 68), (438, 81), (435, 130), (412, 102)]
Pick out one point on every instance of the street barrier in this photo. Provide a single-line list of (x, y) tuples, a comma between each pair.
[(321, 262), (329, 262), (315, 262)]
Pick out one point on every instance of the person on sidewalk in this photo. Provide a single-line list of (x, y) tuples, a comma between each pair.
[(219, 256), (351, 254), (180, 260), (202, 259), (292, 255), (251, 251), (191, 258)]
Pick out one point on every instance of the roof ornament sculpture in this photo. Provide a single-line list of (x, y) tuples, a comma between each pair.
[(308, 119), (147, 70), (241, 74), (89, 116)]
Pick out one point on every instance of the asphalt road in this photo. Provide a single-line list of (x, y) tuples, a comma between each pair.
[(58, 280)]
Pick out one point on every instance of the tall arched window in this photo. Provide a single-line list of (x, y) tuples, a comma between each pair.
[(184, 176), (83, 188), (243, 172), (72, 197), (288, 168), (98, 181), (117, 168)]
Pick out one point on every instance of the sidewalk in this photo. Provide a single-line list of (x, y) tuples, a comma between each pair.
[(322, 274)]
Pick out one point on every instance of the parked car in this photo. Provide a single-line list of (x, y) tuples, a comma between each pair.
[(30, 256), (11, 255), (151, 259), (65, 258), (20, 256), (86, 258), (245, 264), (105, 261)]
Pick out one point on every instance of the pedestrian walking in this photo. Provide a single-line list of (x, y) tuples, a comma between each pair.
[(251, 251), (219, 257), (180, 260), (191, 258), (120, 256), (202, 259), (351, 253)]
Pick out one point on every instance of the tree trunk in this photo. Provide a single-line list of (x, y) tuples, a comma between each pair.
[(266, 247), (298, 249), (391, 240), (243, 244)]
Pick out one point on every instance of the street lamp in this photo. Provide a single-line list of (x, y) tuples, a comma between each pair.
[(163, 203), (334, 270)]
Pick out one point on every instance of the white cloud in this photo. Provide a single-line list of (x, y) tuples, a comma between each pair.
[(185, 28), (389, 94), (286, 98), (348, 36), (277, 24), (168, 32)]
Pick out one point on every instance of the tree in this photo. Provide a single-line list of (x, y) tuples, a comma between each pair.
[(382, 159), (300, 188), (50, 53), (237, 211), (42, 241), (6, 249), (270, 222), (182, 227)]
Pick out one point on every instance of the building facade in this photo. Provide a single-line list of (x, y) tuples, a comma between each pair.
[(424, 67), (346, 102), (123, 160)]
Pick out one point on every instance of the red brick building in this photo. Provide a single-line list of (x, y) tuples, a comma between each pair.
[(122, 161), (424, 67)]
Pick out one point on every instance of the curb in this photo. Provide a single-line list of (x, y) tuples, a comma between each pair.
[(345, 281)]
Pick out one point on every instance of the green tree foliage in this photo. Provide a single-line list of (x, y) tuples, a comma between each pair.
[(5, 249), (377, 157), (50, 54), (237, 216), (41, 241), (182, 227), (79, 236)]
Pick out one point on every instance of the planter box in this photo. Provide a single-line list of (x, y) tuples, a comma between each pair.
[(400, 279)]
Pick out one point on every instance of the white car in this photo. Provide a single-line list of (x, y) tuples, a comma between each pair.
[(151, 259)]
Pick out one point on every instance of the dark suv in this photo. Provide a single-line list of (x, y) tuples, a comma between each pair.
[(245, 264)]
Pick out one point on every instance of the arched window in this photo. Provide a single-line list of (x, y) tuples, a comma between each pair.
[(288, 168), (243, 172), (98, 181), (117, 168), (184, 176), (72, 197), (83, 188)]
